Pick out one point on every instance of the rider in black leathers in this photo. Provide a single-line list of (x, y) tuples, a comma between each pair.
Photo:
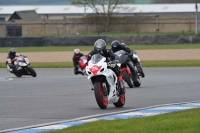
[(10, 59), (116, 46), (100, 48)]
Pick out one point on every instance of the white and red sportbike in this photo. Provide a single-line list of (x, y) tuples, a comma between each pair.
[(104, 82)]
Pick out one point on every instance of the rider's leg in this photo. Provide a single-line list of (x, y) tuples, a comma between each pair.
[(133, 72), (138, 65), (9, 67), (119, 79), (76, 71)]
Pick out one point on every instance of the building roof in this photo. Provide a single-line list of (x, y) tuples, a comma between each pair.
[(25, 15), (136, 8)]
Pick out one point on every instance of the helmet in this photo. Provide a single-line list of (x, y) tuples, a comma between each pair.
[(100, 46), (114, 45), (77, 51), (12, 53)]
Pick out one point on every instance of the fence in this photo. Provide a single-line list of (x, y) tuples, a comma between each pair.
[(139, 24)]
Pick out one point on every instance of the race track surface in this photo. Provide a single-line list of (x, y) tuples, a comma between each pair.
[(57, 94)]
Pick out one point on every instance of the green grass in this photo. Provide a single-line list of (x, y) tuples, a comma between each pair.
[(187, 121), (167, 63), (88, 48)]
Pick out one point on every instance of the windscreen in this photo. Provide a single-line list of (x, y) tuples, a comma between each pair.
[(81, 58), (120, 52), (96, 58)]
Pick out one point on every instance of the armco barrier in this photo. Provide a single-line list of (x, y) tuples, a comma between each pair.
[(21, 41), (71, 41), (89, 40)]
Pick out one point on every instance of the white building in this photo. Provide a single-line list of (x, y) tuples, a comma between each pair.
[(59, 11)]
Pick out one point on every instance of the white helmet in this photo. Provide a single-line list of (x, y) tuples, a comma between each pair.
[(77, 51)]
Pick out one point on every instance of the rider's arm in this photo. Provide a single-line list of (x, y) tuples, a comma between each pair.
[(17, 54), (81, 54), (90, 54), (9, 60), (111, 54), (125, 48)]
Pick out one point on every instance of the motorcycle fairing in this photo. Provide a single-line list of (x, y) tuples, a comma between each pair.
[(108, 73)]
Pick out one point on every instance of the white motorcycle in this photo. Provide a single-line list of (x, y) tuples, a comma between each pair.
[(104, 82), (22, 67)]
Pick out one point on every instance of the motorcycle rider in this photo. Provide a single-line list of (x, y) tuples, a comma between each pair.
[(75, 58), (116, 46), (10, 59), (100, 48)]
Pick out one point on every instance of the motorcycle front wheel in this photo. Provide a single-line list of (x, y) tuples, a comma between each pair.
[(32, 71), (101, 99), (128, 79)]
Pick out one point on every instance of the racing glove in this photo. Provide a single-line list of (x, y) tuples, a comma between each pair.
[(112, 64)]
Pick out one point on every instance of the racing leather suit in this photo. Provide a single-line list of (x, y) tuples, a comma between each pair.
[(75, 59)]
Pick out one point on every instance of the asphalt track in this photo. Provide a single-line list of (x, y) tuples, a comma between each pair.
[(58, 95)]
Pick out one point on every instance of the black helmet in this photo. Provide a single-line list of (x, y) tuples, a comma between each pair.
[(12, 53), (100, 46), (115, 44)]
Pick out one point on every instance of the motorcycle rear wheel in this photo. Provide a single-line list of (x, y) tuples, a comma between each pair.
[(127, 79), (102, 100)]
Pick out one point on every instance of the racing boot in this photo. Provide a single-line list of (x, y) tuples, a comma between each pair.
[(121, 86), (79, 72), (139, 66), (140, 70)]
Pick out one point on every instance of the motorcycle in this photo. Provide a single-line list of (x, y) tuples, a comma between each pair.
[(104, 81), (132, 79), (22, 67), (82, 63)]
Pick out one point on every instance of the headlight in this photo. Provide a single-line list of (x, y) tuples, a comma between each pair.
[(102, 70), (88, 72)]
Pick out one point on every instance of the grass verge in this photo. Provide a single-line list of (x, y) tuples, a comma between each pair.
[(88, 48), (187, 121), (167, 63)]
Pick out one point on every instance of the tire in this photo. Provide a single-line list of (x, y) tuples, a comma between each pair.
[(137, 83), (102, 100), (121, 101), (32, 71), (127, 79), (18, 74)]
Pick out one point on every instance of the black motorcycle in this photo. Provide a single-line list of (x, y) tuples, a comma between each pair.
[(131, 77)]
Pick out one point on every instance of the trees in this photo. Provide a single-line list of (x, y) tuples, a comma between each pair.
[(103, 9), (175, 1)]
